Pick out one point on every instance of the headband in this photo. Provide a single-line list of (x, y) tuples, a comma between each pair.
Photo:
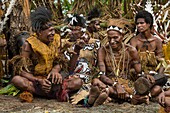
[(115, 28)]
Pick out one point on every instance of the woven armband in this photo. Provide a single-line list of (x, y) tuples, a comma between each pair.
[(135, 62)]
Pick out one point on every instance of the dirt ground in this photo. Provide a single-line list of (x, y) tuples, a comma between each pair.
[(10, 104)]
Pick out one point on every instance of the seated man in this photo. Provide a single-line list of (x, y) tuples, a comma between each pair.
[(82, 51), (151, 55), (115, 60), (38, 70)]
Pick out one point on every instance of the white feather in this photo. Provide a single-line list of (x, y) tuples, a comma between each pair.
[(167, 25), (149, 8), (166, 5), (166, 14)]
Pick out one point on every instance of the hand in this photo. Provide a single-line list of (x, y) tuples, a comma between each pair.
[(161, 98), (120, 91), (150, 78), (55, 77), (79, 44), (45, 84)]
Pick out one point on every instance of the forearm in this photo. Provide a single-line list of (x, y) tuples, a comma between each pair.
[(106, 80), (103, 77), (161, 70), (56, 68), (73, 61), (29, 76), (138, 68)]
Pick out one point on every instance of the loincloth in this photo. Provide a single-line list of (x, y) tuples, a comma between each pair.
[(126, 84)]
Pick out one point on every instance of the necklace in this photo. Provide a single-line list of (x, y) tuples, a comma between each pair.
[(116, 65)]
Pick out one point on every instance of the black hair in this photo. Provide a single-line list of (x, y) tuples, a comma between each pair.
[(39, 18), (94, 13), (146, 15), (80, 20), (16, 42)]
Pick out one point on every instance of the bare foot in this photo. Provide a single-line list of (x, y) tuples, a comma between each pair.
[(101, 99), (137, 99), (94, 93)]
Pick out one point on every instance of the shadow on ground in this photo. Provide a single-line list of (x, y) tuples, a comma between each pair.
[(10, 104)]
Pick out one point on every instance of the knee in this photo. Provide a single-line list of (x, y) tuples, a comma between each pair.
[(156, 90), (95, 82), (15, 80), (75, 84), (19, 82)]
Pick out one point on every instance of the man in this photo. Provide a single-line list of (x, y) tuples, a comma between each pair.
[(115, 60), (82, 53), (150, 51), (38, 70), (93, 24)]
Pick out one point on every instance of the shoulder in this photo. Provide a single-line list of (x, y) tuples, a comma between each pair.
[(102, 49), (26, 46), (135, 38), (158, 39)]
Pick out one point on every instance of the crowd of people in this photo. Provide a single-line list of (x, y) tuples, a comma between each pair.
[(82, 67)]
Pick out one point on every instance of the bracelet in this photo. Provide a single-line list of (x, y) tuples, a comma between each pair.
[(102, 73), (131, 96), (139, 75), (114, 84)]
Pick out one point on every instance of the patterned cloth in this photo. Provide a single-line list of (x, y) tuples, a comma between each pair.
[(46, 54)]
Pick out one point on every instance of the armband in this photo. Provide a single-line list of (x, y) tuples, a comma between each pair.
[(135, 62)]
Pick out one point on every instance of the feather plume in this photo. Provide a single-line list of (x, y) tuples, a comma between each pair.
[(165, 15), (149, 8)]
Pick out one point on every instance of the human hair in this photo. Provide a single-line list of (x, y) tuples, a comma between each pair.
[(94, 13), (147, 17), (39, 19)]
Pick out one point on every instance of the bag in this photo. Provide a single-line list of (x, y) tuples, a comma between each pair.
[(160, 79), (142, 85)]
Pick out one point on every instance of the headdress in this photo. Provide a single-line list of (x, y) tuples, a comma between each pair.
[(116, 24), (94, 14), (76, 20)]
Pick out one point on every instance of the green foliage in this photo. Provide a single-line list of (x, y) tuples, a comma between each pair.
[(9, 90)]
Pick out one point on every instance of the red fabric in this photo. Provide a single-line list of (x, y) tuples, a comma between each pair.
[(62, 95)]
